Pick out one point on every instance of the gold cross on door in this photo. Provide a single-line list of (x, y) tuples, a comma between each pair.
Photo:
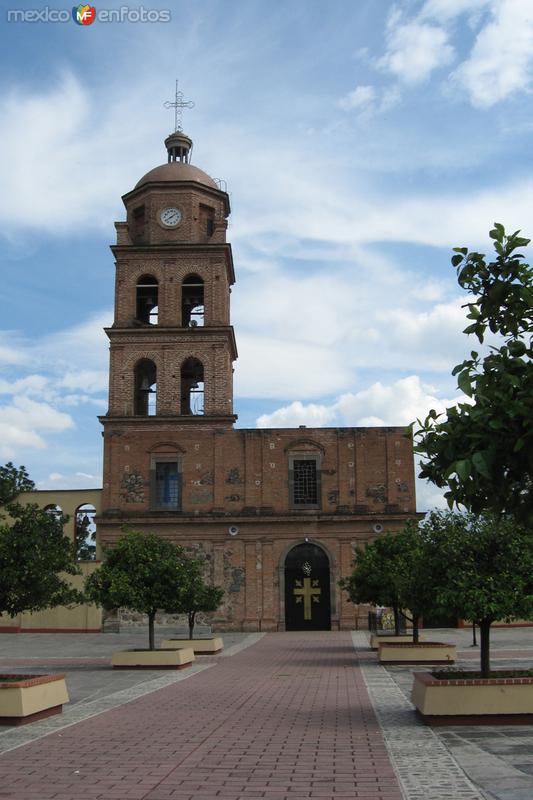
[(308, 593)]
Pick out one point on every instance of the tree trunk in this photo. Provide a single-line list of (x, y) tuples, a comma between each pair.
[(484, 637), (396, 612), (151, 635), (192, 615), (416, 623)]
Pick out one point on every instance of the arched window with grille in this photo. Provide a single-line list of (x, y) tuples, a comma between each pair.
[(192, 387), (147, 300), (145, 391), (192, 302)]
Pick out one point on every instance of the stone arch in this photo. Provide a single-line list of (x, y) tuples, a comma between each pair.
[(304, 445), (147, 299), (145, 388), (166, 447), (192, 301), (333, 578), (85, 532), (192, 387)]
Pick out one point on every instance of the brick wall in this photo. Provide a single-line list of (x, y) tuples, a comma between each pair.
[(240, 478)]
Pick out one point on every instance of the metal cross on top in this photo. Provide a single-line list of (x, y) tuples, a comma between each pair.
[(178, 105)]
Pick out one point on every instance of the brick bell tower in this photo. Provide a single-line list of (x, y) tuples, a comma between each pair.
[(172, 346)]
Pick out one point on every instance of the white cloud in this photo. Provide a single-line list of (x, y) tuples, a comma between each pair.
[(88, 380), (30, 385), (33, 417), (68, 178), (316, 416), (281, 203), (501, 61), (79, 352), (76, 480), (269, 367), (369, 100), (399, 403), (23, 421), (309, 335), (446, 10), (415, 49), (10, 354), (432, 339), (359, 98)]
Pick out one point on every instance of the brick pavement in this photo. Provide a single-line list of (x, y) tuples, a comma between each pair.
[(287, 719)]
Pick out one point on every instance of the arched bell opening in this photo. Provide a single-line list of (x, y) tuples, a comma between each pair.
[(145, 391), (192, 302), (192, 387), (85, 532), (147, 291), (307, 588)]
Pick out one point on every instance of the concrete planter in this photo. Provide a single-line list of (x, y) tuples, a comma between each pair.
[(31, 697), (152, 659), (377, 638), (200, 646), (424, 653), (473, 701)]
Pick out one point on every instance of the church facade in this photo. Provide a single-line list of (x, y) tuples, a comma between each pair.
[(275, 513)]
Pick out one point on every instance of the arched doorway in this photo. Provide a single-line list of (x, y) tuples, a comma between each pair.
[(307, 593)]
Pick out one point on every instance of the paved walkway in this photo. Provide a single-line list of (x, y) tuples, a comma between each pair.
[(289, 718), (277, 716)]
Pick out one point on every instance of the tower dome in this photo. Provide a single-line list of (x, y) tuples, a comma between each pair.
[(177, 168)]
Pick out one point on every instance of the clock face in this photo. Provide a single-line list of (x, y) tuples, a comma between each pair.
[(170, 217)]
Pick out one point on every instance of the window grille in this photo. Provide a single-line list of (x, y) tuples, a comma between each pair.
[(305, 482)]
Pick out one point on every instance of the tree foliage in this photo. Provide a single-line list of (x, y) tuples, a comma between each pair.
[(485, 570), (13, 481), (482, 451), (396, 570), (198, 596), (142, 572), (33, 553)]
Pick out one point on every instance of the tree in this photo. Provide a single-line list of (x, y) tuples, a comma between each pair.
[(396, 570), (13, 481), (486, 570), (33, 551), (373, 579), (482, 451), (198, 595), (142, 572), (416, 573)]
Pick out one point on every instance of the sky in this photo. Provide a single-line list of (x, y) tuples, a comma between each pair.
[(360, 142)]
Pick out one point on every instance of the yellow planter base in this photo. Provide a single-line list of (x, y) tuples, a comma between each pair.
[(491, 701), (200, 646), (152, 659), (375, 639), (31, 697), (424, 653)]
